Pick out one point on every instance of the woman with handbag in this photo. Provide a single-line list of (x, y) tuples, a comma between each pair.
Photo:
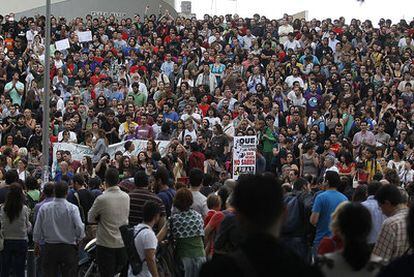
[(15, 225), (186, 228)]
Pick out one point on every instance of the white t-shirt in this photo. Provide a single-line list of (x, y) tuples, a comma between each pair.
[(199, 203), (196, 116), (291, 79), (192, 134), (292, 45), (72, 137), (146, 239)]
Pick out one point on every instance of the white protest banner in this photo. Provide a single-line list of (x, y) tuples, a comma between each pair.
[(79, 151), (85, 36), (244, 155), (62, 44)]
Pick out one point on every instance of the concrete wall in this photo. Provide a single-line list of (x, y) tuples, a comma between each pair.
[(75, 8)]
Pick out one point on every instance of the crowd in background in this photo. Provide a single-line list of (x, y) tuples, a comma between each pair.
[(331, 104)]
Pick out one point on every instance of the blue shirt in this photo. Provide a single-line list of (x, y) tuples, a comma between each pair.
[(377, 218), (58, 221), (36, 211), (325, 204), (171, 115)]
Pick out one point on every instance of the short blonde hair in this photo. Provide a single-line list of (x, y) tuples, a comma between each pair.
[(334, 226)]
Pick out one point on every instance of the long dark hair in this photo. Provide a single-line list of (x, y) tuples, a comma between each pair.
[(14, 202), (354, 222)]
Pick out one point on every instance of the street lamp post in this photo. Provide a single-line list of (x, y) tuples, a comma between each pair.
[(46, 100)]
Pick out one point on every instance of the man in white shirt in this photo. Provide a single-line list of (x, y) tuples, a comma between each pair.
[(228, 129), (332, 41), (296, 98), (329, 164), (216, 37), (256, 78), (290, 80), (59, 228), (142, 88), (31, 33), (291, 43), (284, 30), (228, 98), (191, 115), (405, 41), (72, 135), (168, 65), (196, 177), (188, 131), (206, 78), (248, 40), (110, 211), (146, 241)]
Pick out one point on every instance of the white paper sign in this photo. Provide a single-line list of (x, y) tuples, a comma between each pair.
[(79, 151), (62, 44), (85, 36), (244, 155)]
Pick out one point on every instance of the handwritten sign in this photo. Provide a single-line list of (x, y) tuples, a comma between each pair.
[(85, 36), (62, 44), (244, 155)]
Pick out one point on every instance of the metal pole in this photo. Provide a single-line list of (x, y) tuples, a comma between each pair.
[(46, 99)]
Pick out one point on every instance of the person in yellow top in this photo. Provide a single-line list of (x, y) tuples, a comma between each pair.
[(124, 127)]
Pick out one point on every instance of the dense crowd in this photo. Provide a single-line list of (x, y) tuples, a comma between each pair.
[(331, 105)]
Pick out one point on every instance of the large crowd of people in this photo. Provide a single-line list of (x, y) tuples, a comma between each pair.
[(331, 104)]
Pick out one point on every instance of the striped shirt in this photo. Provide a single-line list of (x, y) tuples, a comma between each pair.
[(138, 197)]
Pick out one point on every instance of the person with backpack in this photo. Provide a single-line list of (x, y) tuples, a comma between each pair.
[(165, 192), (83, 198), (258, 201), (296, 228), (32, 195), (145, 241), (186, 230), (228, 234)]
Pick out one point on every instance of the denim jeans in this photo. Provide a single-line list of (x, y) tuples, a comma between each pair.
[(192, 266), (13, 257)]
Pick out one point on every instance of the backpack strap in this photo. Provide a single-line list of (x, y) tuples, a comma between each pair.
[(81, 210), (139, 231), (133, 241)]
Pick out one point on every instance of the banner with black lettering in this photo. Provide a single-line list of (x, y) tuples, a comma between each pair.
[(244, 155), (79, 151)]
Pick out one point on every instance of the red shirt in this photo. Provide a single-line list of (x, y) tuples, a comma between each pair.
[(329, 245), (345, 168), (204, 108)]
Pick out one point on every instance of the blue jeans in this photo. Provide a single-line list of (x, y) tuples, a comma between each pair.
[(14, 257)]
